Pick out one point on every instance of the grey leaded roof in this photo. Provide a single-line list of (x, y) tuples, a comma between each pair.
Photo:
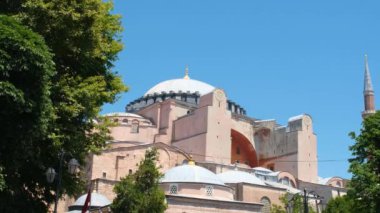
[(191, 174), (239, 177)]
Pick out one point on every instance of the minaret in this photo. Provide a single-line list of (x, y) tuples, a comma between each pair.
[(369, 95)]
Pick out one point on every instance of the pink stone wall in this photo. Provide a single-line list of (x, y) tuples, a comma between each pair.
[(198, 190), (191, 125), (123, 133), (117, 163), (254, 193), (194, 146)]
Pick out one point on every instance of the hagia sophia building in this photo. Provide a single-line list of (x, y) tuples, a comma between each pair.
[(214, 157)]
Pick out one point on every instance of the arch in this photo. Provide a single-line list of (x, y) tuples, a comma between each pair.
[(267, 204), (242, 150), (335, 181), (292, 181)]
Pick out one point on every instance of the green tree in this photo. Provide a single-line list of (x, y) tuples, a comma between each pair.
[(293, 202), (364, 186), (82, 36), (26, 69), (340, 205), (2, 181), (140, 192)]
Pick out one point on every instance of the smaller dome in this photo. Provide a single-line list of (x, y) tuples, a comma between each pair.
[(96, 200), (239, 177), (191, 174)]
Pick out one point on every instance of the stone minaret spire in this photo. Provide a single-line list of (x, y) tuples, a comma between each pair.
[(369, 95)]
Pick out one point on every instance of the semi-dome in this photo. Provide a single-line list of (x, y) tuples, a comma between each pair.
[(239, 177), (190, 173), (181, 85)]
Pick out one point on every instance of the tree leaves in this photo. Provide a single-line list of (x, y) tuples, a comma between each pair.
[(55, 76), (139, 192), (364, 186)]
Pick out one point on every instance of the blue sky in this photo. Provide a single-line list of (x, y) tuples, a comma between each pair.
[(275, 58)]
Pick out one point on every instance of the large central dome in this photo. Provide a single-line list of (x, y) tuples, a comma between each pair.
[(186, 90), (181, 85)]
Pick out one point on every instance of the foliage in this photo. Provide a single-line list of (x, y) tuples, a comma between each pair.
[(51, 101), (364, 186), (340, 205), (139, 192), (293, 202), (2, 181), (26, 68), (277, 209)]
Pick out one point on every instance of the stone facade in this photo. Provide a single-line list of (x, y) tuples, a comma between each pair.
[(206, 127)]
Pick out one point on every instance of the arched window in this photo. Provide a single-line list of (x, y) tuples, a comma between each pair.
[(266, 202), (135, 126), (125, 121), (209, 190)]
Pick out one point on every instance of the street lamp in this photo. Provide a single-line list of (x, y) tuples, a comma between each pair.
[(306, 196), (73, 165)]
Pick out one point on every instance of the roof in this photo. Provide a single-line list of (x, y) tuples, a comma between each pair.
[(294, 118), (183, 85), (367, 77), (122, 114), (262, 169), (96, 200), (282, 186), (239, 177), (323, 181), (191, 174)]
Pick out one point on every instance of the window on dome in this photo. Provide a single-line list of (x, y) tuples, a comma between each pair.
[(285, 181), (209, 190), (135, 126), (125, 121), (173, 189)]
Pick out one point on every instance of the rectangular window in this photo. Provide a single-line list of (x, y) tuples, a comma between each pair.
[(209, 190), (173, 189)]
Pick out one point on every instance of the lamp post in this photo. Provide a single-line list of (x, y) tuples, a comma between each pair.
[(305, 205), (306, 195), (51, 174), (305, 201)]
